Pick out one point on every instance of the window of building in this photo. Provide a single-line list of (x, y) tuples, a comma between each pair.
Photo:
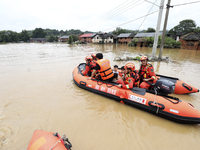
[(190, 44)]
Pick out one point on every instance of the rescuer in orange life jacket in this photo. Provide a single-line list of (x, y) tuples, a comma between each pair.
[(104, 69), (131, 78), (89, 66), (146, 73)]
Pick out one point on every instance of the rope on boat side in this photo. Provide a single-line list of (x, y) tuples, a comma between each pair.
[(156, 102), (63, 136)]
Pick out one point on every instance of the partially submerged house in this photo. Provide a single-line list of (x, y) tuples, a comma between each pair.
[(104, 38), (87, 37), (125, 38), (140, 37), (190, 41), (64, 38)]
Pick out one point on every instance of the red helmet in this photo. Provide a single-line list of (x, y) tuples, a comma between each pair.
[(93, 55), (88, 58), (130, 65), (144, 58)]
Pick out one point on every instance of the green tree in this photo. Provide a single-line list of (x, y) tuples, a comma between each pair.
[(187, 25), (51, 39), (9, 36), (75, 38), (39, 33), (24, 36), (70, 40), (118, 31), (151, 30)]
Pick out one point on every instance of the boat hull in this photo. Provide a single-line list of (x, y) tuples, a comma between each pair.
[(173, 109), (43, 140)]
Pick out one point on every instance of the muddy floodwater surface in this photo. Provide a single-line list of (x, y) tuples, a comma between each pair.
[(37, 92)]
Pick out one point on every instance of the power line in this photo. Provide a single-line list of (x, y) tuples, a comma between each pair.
[(131, 20), (108, 13), (116, 13), (151, 3), (186, 3), (147, 14), (120, 13)]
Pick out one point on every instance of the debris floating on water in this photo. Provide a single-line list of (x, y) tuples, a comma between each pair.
[(127, 58)]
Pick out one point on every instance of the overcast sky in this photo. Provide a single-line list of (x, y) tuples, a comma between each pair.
[(92, 15)]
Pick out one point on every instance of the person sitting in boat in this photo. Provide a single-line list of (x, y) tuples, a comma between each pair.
[(131, 78), (122, 73), (89, 66), (115, 69), (94, 58), (104, 69), (146, 73)]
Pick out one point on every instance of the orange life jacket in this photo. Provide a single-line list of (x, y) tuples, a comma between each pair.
[(133, 75), (147, 72), (105, 69), (91, 65)]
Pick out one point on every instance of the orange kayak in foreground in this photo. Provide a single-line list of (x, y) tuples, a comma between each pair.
[(180, 86), (43, 140), (164, 106)]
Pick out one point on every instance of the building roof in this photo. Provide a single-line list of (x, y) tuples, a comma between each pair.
[(192, 37), (126, 35), (150, 34), (64, 37), (88, 35)]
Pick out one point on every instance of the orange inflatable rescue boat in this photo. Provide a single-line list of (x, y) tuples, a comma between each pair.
[(156, 102), (43, 140)]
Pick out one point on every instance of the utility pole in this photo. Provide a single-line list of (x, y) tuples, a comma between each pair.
[(157, 29), (164, 29)]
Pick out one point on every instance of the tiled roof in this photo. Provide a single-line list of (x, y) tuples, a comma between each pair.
[(124, 35), (64, 37), (192, 37), (150, 34), (87, 35)]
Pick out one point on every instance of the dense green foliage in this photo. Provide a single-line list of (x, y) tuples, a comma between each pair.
[(151, 30), (187, 25), (24, 36), (8, 36), (119, 30), (70, 40), (168, 43), (52, 39), (39, 33)]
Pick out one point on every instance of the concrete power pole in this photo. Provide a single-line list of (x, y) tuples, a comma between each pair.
[(157, 29), (164, 29)]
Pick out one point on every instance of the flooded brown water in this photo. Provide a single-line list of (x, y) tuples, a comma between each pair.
[(37, 92)]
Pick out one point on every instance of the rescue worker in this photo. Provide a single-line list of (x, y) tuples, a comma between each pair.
[(146, 73), (94, 57), (131, 78), (104, 69), (89, 66), (122, 73)]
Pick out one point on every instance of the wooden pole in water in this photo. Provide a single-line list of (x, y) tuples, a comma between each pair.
[(157, 29), (164, 29)]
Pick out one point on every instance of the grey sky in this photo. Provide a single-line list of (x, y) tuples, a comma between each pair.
[(18, 15)]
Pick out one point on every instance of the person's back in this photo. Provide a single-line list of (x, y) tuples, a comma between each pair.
[(103, 66)]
